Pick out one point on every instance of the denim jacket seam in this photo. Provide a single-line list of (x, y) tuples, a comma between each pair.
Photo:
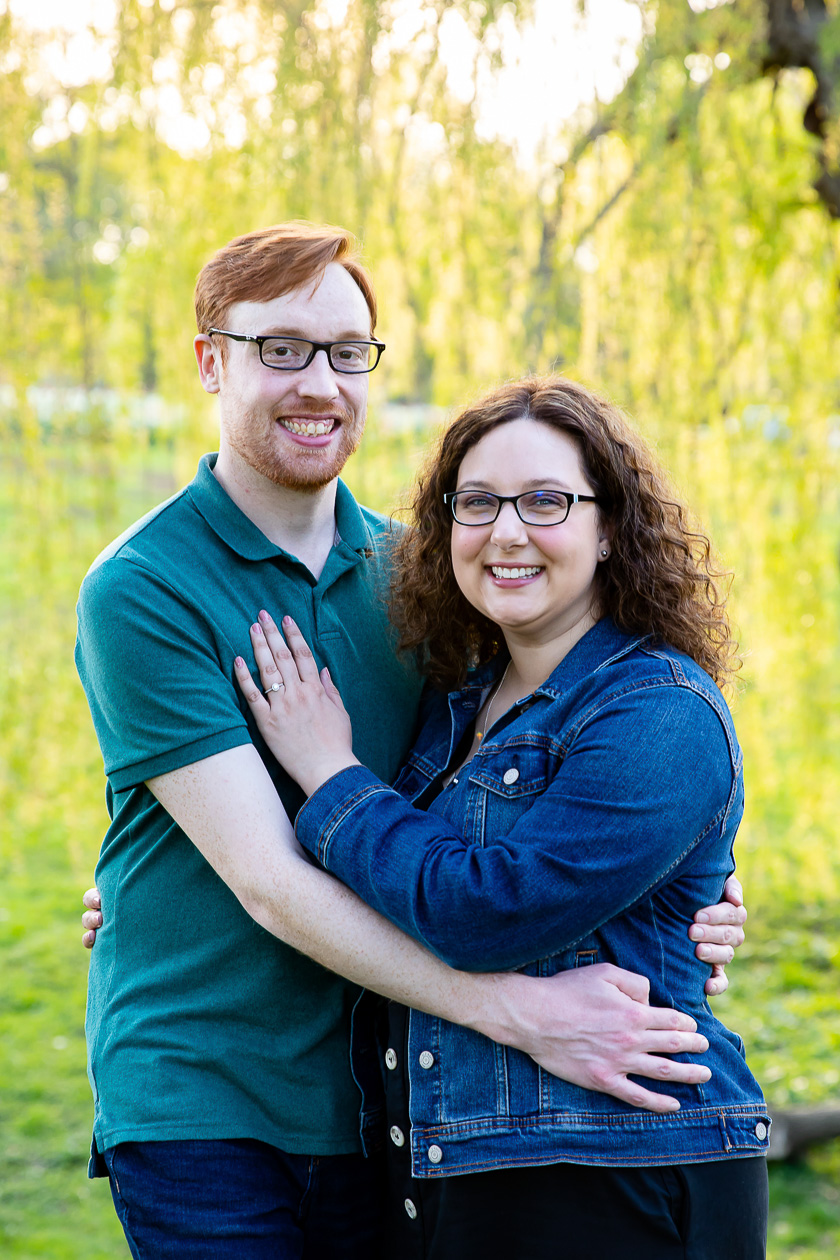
[(560, 745), (637, 1119), (601, 702), (341, 812), (736, 755), (626, 688), (422, 763)]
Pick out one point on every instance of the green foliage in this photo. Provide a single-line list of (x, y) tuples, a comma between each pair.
[(829, 40), (668, 247)]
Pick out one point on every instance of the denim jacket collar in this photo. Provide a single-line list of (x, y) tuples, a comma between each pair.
[(599, 647)]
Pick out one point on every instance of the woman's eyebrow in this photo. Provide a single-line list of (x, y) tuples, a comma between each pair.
[(534, 483)]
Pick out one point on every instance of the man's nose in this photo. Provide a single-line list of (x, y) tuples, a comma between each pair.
[(318, 379)]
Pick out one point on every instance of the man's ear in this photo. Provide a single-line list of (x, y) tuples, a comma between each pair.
[(209, 363)]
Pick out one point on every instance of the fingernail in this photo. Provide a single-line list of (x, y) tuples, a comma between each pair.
[(705, 951), (287, 621), (238, 662), (696, 932), (702, 917), (256, 628), (264, 615)]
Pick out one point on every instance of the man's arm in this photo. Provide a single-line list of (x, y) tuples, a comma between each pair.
[(592, 1027), (718, 928)]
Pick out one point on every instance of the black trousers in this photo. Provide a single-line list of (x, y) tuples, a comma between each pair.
[(568, 1212), (709, 1211)]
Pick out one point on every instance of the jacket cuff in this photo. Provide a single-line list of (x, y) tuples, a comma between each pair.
[(320, 818)]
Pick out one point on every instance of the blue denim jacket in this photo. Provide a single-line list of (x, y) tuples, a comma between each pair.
[(596, 817)]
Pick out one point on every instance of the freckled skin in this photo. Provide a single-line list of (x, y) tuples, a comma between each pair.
[(253, 397)]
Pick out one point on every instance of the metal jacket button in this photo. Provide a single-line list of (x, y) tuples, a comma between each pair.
[(435, 1154), (510, 776), (761, 1131), (411, 1210), (397, 1136), (426, 1059), (390, 1059)]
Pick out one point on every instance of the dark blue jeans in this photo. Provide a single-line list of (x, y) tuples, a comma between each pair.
[(198, 1200)]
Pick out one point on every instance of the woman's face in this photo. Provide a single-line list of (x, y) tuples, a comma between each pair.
[(555, 597)]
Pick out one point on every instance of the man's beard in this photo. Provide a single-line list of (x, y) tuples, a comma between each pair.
[(297, 467)]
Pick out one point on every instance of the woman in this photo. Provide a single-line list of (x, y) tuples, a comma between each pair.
[(582, 787)]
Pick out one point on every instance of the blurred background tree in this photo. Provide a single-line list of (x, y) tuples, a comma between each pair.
[(667, 231)]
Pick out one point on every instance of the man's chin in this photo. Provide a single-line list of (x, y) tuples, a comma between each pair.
[(295, 467), (286, 478), (306, 473)]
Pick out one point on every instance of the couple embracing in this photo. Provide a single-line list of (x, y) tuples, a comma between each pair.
[(480, 768)]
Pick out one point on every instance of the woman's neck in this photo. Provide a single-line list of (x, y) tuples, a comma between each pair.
[(532, 661)]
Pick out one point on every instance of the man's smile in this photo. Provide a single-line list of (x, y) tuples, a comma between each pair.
[(309, 428)]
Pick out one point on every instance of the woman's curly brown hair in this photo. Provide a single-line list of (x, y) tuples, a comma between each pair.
[(661, 578)]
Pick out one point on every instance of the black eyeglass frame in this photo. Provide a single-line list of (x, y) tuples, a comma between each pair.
[(451, 495), (326, 346)]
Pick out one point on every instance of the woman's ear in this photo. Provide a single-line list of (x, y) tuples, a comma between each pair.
[(605, 541)]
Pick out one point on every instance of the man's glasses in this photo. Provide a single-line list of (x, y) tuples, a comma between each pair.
[(292, 354), (535, 507)]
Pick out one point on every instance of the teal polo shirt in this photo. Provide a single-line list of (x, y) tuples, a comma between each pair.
[(200, 1023)]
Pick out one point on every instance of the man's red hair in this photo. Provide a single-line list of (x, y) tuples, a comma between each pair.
[(264, 265)]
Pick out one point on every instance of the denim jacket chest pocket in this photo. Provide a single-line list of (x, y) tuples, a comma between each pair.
[(505, 780)]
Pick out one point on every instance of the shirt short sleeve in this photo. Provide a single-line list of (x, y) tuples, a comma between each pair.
[(161, 693)]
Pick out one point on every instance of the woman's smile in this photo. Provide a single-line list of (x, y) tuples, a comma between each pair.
[(514, 574)]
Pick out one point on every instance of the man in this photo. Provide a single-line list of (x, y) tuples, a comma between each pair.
[(229, 1114)]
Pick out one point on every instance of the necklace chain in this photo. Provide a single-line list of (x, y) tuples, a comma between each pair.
[(480, 734)]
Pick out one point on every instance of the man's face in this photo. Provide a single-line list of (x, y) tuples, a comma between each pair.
[(265, 412)]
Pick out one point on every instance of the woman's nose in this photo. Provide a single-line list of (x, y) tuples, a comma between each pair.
[(508, 528)]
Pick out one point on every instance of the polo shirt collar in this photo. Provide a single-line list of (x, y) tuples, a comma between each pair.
[(240, 533)]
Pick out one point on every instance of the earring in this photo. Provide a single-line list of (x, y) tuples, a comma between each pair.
[(604, 553)]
